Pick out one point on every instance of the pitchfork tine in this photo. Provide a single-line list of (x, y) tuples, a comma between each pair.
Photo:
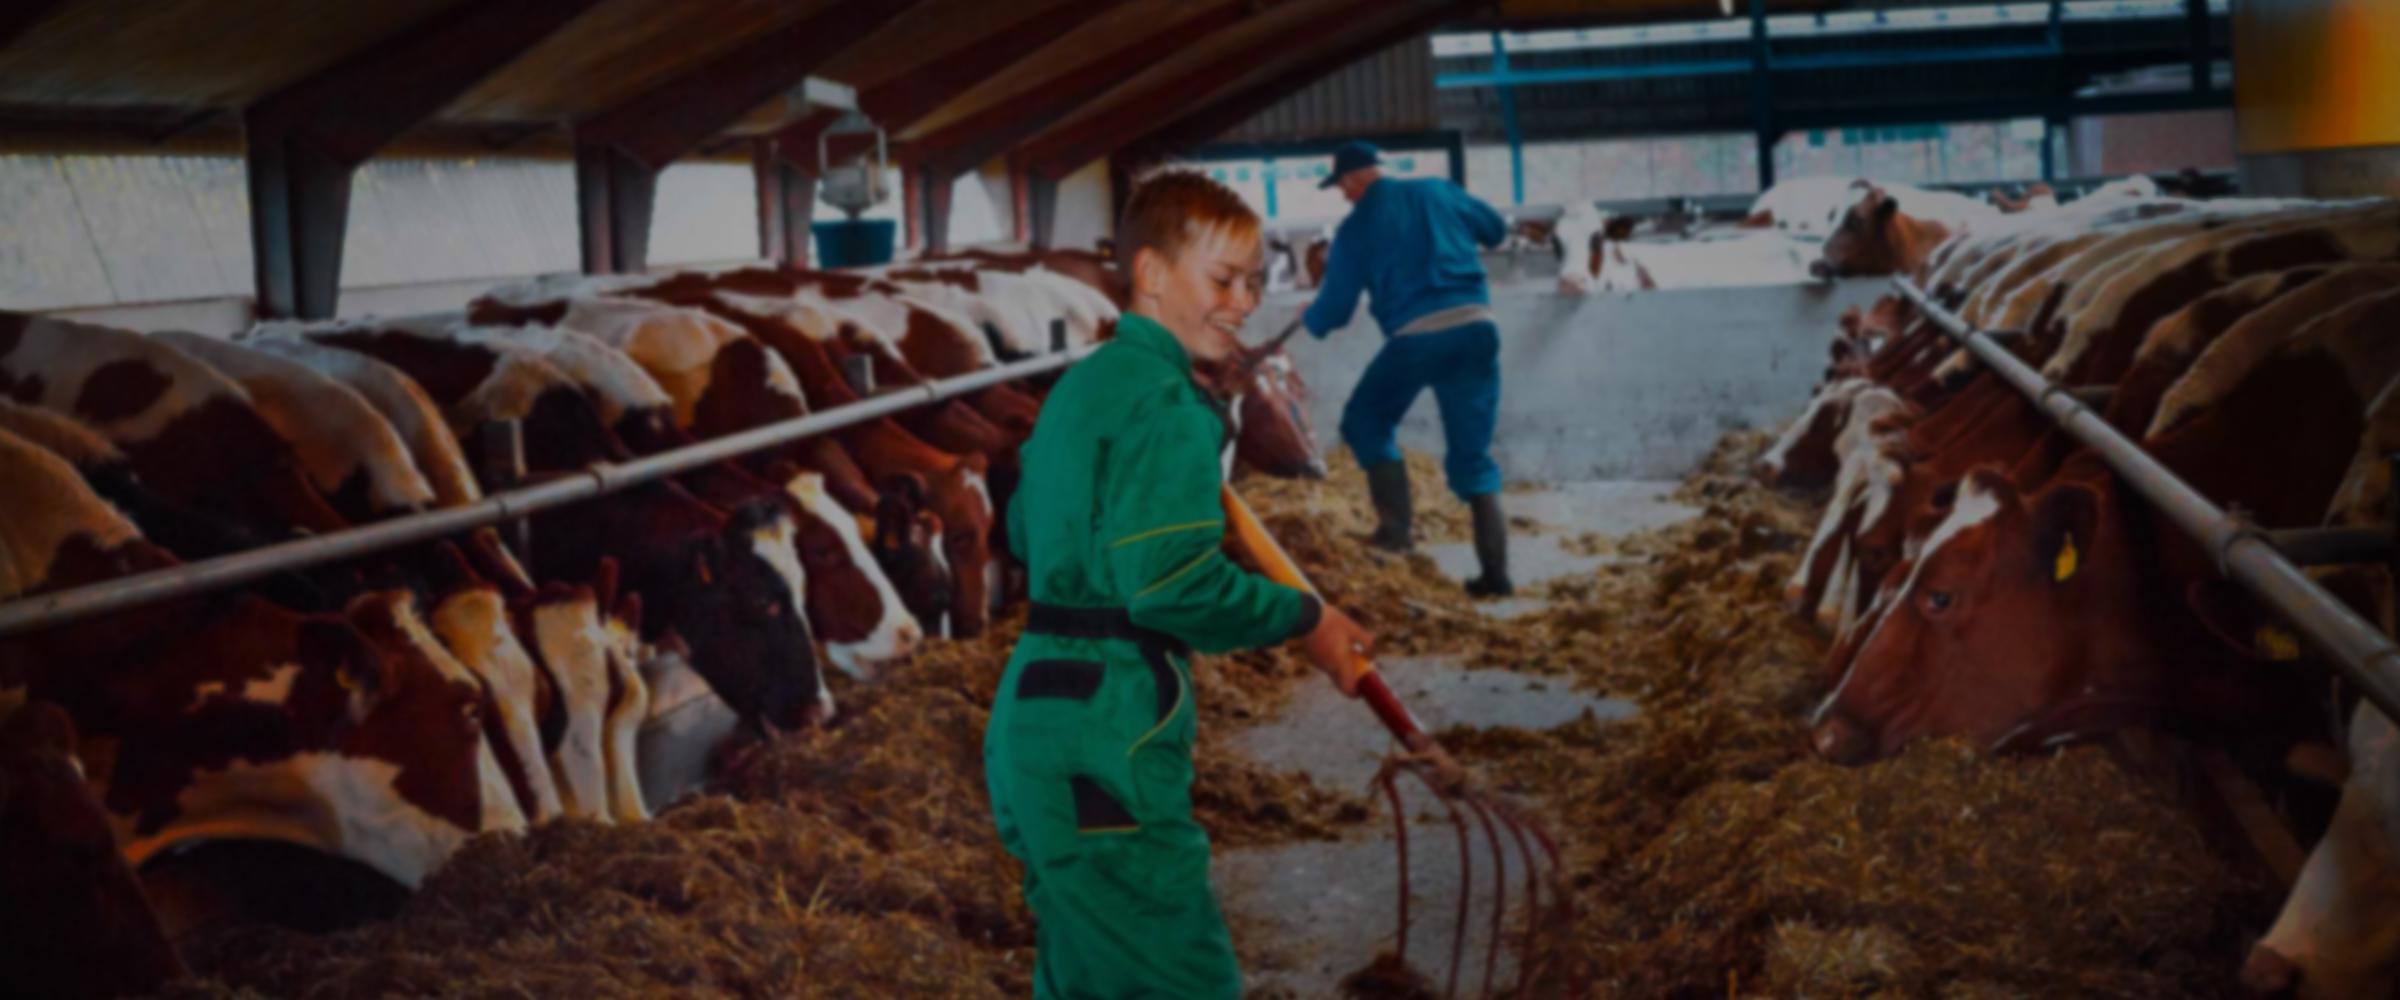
[(1466, 878), (1491, 952), (1391, 793), (1527, 963)]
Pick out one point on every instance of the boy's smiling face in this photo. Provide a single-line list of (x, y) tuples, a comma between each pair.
[(1205, 292)]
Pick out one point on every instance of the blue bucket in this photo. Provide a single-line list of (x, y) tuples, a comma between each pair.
[(854, 242)]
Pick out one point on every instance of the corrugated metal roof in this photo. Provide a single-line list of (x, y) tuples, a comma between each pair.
[(1391, 91)]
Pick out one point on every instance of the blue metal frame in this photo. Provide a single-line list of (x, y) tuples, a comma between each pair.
[(1500, 75), (1452, 141), (1508, 121)]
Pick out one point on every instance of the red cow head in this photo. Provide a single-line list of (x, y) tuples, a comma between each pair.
[(2016, 616), (909, 546), (1867, 241), (1274, 435)]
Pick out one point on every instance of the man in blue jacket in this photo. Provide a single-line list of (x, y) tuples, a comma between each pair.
[(1411, 243)]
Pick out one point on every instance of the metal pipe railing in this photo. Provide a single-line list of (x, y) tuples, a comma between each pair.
[(2363, 654), (42, 611)]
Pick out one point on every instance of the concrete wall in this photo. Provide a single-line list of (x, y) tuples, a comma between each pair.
[(1630, 386), (1083, 208)]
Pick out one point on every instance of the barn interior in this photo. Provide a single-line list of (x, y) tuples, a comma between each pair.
[(512, 496)]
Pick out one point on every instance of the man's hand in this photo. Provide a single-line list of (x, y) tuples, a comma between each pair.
[(1341, 649)]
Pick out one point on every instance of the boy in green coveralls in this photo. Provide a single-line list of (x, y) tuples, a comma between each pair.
[(1089, 752)]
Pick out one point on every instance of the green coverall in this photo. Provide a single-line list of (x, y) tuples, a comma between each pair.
[(1089, 754)]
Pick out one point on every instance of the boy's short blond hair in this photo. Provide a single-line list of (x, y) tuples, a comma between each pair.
[(1172, 208)]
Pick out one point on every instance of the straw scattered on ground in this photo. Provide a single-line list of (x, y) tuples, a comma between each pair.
[(1711, 855)]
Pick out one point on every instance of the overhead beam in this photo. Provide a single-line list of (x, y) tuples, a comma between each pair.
[(304, 142), (963, 145), (1201, 124), (674, 118), (908, 97), (619, 152), (20, 16), (1060, 152)]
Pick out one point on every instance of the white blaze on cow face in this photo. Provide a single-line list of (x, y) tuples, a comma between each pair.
[(898, 634), (48, 505), (2339, 932), (626, 711), (777, 543), (1975, 506), (575, 645), (473, 624)]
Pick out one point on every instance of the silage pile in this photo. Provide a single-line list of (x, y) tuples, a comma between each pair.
[(1714, 856), (1711, 855), (855, 861)]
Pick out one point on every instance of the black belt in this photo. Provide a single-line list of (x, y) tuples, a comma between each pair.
[(1065, 622)]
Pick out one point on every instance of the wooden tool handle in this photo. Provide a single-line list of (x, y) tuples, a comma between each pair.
[(1280, 567)]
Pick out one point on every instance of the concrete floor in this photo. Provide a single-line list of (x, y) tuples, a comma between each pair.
[(1324, 909)]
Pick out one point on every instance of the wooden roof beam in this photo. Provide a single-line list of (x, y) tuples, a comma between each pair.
[(1211, 120), (304, 141), (1059, 153), (907, 98), (673, 119), (17, 18), (963, 145)]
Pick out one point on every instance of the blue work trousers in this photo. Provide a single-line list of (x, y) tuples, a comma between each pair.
[(1462, 364)]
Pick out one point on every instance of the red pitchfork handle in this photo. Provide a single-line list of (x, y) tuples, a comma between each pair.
[(1280, 568)]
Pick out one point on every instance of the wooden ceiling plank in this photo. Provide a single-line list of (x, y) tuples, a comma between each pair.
[(964, 144), (352, 109), (19, 17), (1057, 154), (671, 120), (1215, 118)]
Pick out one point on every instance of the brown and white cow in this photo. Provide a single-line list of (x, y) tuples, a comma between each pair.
[(190, 432), (1597, 253), (352, 454), (232, 718), (404, 405), (73, 921), (725, 582), (2020, 612)]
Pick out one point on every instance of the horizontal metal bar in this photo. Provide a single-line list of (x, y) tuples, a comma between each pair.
[(2334, 546), (42, 611), (1498, 77), (1515, 77), (2363, 654)]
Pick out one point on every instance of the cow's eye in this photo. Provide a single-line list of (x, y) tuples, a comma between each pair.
[(1938, 600)]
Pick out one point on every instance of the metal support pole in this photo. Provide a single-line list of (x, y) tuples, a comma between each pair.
[(1762, 94), (2363, 654), (1508, 121), (1041, 202), (614, 194), (299, 212), (58, 607), (2195, 26)]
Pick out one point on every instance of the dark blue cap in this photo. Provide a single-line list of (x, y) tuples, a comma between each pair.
[(1352, 156)]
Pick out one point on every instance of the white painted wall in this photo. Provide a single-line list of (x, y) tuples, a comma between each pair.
[(1083, 208)]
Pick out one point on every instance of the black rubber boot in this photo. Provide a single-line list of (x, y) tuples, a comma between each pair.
[(1491, 548), (1387, 487)]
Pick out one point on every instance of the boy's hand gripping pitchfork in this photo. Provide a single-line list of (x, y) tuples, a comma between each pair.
[(1441, 774)]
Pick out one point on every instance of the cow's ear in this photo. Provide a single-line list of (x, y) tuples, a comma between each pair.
[(1885, 209), (2063, 522), (1621, 227), (2229, 614)]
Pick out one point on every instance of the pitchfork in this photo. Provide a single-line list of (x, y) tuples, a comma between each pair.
[(1433, 766)]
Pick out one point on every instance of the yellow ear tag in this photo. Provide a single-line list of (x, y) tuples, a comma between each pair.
[(2277, 644), (2066, 559)]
